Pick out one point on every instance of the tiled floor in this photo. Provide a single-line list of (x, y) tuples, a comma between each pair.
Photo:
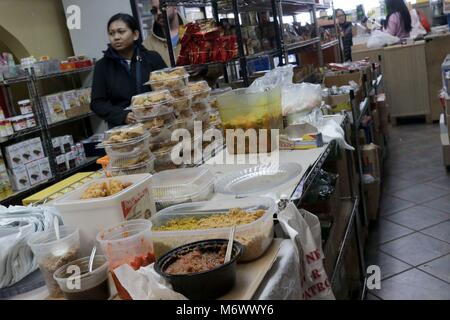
[(411, 242)]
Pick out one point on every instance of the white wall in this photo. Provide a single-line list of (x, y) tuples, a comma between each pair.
[(92, 39)]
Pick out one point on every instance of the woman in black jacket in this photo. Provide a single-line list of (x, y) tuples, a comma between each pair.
[(121, 73), (346, 33)]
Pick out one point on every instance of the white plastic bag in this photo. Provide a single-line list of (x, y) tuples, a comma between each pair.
[(304, 230), (380, 39), (278, 77), (301, 97), (145, 284), (417, 27)]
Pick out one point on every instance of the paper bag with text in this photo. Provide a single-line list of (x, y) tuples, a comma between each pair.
[(304, 230)]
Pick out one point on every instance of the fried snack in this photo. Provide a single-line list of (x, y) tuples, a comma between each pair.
[(104, 189), (170, 79), (125, 134), (150, 99), (200, 90)]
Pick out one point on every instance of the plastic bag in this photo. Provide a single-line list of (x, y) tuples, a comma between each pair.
[(302, 97), (380, 39), (304, 230), (145, 284), (278, 77), (331, 130), (417, 27)]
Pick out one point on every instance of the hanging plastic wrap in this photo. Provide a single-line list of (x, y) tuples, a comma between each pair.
[(301, 98)]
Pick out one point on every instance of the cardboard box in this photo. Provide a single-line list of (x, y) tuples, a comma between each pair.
[(19, 178), (371, 160), (342, 102), (383, 113), (57, 146), (25, 149), (37, 150), (70, 100), (34, 172), (54, 108), (13, 156), (372, 197), (44, 168)]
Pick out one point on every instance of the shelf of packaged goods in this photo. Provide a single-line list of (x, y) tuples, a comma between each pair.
[(17, 196), (70, 120), (11, 81), (330, 44), (65, 73), (89, 161), (20, 134), (294, 46)]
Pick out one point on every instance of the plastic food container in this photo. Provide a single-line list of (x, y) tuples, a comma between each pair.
[(200, 91), (124, 143), (94, 215), (201, 106), (163, 159), (256, 237), (185, 123), (92, 285), (127, 243), (51, 253), (211, 284), (151, 104), (169, 78), (178, 186), (159, 121), (243, 109), (161, 137), (183, 101), (140, 168)]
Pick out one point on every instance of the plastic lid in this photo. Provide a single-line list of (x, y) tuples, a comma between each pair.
[(167, 74), (181, 183), (199, 87), (151, 98), (140, 165), (128, 133)]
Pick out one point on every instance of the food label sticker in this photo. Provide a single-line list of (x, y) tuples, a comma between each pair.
[(138, 206)]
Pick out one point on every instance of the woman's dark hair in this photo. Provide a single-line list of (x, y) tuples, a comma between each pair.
[(394, 6), (127, 19), (336, 13)]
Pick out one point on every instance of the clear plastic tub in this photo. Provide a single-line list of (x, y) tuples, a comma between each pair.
[(51, 253), (256, 237), (184, 114), (200, 91), (161, 137), (181, 93), (163, 159), (127, 243), (92, 285), (159, 121), (178, 186), (242, 109), (185, 123), (201, 106), (130, 159), (182, 102), (151, 104), (140, 168), (169, 78)]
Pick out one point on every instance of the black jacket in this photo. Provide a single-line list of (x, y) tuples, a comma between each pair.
[(115, 83), (347, 40)]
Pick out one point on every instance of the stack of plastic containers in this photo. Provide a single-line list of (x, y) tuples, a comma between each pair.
[(128, 149), (174, 81)]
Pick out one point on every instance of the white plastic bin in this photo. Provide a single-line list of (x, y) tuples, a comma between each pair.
[(94, 215)]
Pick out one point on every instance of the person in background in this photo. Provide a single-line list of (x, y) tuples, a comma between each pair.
[(156, 40), (398, 20), (121, 73), (346, 33)]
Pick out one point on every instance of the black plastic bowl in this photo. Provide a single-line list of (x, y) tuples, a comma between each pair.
[(206, 285)]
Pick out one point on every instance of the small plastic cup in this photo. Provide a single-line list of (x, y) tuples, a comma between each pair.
[(129, 242), (51, 254), (77, 283)]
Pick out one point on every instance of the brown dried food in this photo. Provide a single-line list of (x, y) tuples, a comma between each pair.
[(104, 189)]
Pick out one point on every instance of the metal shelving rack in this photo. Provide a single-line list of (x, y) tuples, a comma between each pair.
[(44, 128), (278, 9)]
